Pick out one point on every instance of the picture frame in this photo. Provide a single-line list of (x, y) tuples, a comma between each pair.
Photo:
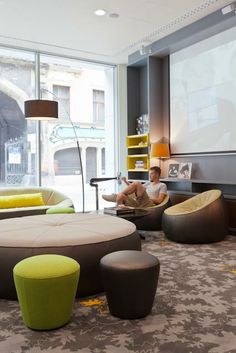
[(185, 170), (173, 170)]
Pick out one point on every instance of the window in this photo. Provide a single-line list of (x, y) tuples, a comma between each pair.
[(103, 161), (60, 163), (60, 166), (17, 136), (98, 106), (91, 163), (63, 96), (66, 162)]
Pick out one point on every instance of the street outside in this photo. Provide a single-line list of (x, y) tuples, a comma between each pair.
[(71, 186)]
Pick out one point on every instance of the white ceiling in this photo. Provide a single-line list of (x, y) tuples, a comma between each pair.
[(70, 27)]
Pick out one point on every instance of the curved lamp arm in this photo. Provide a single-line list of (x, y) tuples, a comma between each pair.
[(77, 143), (52, 110)]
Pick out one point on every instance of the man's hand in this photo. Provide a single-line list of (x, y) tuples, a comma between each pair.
[(124, 179)]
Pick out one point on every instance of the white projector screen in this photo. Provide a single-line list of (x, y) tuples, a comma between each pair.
[(203, 96)]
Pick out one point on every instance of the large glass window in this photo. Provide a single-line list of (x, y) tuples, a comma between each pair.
[(17, 136), (85, 93), (98, 106), (70, 82)]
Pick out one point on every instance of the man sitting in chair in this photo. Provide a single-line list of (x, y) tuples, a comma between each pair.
[(140, 195)]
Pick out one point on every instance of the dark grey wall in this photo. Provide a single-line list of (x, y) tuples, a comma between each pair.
[(220, 168), (199, 30), (217, 168), (143, 91), (137, 95), (155, 84)]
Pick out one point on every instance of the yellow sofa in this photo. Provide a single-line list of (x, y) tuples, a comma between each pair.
[(51, 198)]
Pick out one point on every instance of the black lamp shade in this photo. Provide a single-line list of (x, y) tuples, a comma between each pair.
[(40, 109)]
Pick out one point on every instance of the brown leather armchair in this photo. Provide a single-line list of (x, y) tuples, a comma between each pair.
[(198, 220), (153, 221)]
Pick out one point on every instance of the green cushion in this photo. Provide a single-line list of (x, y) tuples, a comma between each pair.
[(53, 210), (22, 200), (46, 266), (46, 287)]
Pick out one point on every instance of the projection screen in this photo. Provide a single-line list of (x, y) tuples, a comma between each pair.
[(203, 96)]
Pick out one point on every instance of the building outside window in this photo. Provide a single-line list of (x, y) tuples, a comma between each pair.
[(103, 161), (63, 96), (70, 81), (98, 106), (17, 136), (60, 161)]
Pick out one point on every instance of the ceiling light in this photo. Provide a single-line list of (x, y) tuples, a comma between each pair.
[(114, 15), (100, 12)]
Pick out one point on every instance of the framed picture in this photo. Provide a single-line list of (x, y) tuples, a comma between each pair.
[(185, 170), (173, 170)]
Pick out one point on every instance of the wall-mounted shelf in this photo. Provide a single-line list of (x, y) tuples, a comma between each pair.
[(132, 161), (197, 185), (137, 141), (137, 160), (138, 146)]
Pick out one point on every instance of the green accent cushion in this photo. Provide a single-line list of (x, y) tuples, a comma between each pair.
[(56, 210), (22, 200), (46, 287), (46, 266)]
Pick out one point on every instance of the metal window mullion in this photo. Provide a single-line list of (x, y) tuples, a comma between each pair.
[(38, 125)]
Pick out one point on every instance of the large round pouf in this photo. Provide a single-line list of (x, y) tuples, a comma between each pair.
[(84, 237), (46, 287), (130, 281)]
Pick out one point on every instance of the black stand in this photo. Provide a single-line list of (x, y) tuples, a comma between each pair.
[(97, 180)]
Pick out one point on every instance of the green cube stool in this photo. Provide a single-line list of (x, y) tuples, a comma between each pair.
[(55, 210), (46, 287)]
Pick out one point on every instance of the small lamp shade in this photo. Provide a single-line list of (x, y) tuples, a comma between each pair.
[(160, 150), (40, 109)]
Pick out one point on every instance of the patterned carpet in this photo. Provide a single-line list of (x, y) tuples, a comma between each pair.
[(194, 310)]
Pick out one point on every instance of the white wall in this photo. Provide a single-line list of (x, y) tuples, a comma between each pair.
[(122, 118)]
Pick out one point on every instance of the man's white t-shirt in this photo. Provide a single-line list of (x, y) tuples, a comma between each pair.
[(153, 190)]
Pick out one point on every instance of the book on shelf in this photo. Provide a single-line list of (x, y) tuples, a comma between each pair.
[(118, 210)]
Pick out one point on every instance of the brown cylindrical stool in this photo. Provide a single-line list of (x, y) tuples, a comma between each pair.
[(130, 280)]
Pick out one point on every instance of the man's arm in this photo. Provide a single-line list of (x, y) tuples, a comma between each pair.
[(162, 194), (125, 181), (157, 200)]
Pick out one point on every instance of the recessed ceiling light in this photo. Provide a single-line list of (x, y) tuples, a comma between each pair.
[(114, 15), (100, 12)]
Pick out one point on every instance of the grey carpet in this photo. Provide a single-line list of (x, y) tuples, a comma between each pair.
[(194, 310)]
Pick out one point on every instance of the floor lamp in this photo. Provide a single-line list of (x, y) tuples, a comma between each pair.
[(41, 109)]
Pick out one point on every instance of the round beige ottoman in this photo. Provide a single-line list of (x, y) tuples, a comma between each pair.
[(83, 237)]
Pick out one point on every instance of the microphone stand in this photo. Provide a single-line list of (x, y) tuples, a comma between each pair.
[(93, 182)]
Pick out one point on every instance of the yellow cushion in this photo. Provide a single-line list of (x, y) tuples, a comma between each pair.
[(194, 203), (23, 200)]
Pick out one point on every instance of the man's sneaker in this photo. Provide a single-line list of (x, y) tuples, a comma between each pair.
[(110, 198)]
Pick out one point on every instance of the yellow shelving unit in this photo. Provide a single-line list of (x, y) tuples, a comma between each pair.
[(138, 142)]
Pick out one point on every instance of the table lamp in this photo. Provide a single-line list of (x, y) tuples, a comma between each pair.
[(160, 150)]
